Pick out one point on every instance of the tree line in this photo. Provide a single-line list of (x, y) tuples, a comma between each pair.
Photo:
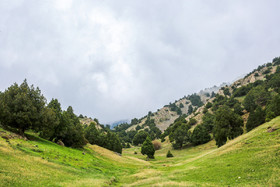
[(223, 117), (23, 107)]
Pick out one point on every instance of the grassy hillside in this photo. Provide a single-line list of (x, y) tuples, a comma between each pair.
[(249, 160), (38, 162)]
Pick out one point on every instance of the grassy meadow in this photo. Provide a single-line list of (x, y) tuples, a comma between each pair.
[(252, 159)]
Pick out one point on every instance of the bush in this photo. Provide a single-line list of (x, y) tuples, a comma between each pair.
[(169, 154), (148, 148), (192, 122), (156, 144), (208, 105), (196, 100)]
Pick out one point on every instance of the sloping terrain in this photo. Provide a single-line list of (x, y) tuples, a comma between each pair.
[(251, 159), (165, 116), (38, 162)]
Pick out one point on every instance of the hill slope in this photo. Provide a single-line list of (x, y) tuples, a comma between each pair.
[(165, 116), (38, 162), (249, 160)]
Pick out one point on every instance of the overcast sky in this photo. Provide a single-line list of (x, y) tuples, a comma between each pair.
[(115, 60)]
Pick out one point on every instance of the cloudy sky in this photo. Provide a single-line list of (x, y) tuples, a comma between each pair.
[(120, 59)]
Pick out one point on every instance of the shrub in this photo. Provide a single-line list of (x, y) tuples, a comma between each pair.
[(208, 105), (148, 148), (169, 154), (192, 122)]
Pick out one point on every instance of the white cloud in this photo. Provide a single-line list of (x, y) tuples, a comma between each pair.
[(120, 59)]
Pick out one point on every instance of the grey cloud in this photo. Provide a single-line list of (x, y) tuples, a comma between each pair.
[(120, 59)]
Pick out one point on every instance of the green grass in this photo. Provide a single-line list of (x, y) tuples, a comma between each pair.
[(252, 159)]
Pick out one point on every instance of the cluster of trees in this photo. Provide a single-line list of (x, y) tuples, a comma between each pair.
[(223, 116), (196, 100), (173, 107), (139, 135), (23, 107), (179, 133)]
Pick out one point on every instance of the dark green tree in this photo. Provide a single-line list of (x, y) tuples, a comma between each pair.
[(22, 107), (227, 125), (238, 109), (140, 137), (255, 119), (208, 105), (180, 136), (58, 129), (92, 134), (208, 121), (148, 148), (192, 121), (196, 100), (169, 154), (273, 108), (73, 135), (200, 135), (49, 123), (138, 128), (258, 96), (181, 105), (190, 109)]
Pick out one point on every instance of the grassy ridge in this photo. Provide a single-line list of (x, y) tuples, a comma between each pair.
[(252, 159)]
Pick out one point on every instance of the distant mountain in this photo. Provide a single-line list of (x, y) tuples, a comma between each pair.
[(116, 123)]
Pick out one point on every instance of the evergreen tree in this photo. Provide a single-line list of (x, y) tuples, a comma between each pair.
[(92, 134), (148, 148), (139, 137), (208, 121), (73, 135), (273, 108), (190, 109), (169, 154), (180, 136), (200, 135), (255, 119), (227, 125), (22, 107), (238, 109)]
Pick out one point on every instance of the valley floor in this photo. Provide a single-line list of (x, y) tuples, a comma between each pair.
[(252, 159)]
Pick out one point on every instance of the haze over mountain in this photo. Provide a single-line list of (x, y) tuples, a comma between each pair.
[(119, 59)]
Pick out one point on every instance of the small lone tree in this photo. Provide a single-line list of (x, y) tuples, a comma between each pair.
[(148, 148), (169, 154)]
